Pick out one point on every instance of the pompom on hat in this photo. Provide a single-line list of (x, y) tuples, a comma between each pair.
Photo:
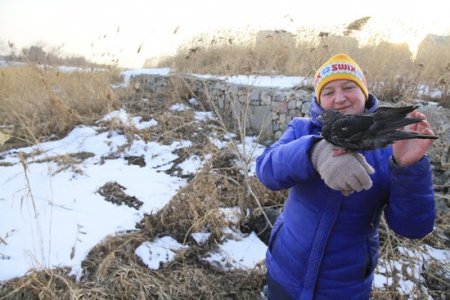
[(339, 67)]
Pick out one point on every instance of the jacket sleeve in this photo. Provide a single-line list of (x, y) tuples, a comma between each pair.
[(287, 162), (411, 210)]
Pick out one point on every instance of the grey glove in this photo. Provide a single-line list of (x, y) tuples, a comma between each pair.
[(347, 173)]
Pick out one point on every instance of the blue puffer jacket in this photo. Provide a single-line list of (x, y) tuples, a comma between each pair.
[(325, 245)]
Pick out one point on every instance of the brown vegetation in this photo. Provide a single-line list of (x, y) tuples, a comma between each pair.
[(39, 103), (392, 71)]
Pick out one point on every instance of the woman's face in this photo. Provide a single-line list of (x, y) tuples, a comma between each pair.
[(344, 96)]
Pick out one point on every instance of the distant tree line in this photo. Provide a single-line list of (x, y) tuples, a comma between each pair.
[(37, 55)]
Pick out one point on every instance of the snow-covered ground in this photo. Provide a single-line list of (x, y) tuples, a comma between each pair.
[(54, 215)]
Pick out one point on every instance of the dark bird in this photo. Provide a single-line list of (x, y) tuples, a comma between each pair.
[(369, 131)]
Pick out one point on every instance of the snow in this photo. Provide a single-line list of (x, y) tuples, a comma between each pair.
[(270, 81), (274, 81), (408, 268), (204, 116), (231, 215), (121, 116), (245, 252), (424, 90), (128, 74), (201, 237), (237, 251), (55, 214), (179, 107), (160, 251)]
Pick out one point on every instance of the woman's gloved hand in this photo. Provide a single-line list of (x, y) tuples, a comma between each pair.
[(347, 173)]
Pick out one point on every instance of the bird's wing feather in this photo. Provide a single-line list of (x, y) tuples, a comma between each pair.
[(351, 124), (369, 131)]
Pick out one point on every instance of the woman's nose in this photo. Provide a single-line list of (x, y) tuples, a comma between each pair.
[(340, 96)]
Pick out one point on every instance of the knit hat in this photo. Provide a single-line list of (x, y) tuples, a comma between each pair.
[(340, 66)]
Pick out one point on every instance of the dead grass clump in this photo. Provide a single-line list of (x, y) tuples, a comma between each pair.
[(437, 279), (188, 282), (200, 283), (113, 271), (115, 193), (44, 284), (196, 207), (112, 252), (402, 259), (267, 198), (185, 278), (219, 184), (38, 103), (172, 125), (67, 161), (175, 126)]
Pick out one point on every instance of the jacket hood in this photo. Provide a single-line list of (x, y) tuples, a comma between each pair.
[(315, 112)]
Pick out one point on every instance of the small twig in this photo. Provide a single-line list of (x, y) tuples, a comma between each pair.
[(259, 205)]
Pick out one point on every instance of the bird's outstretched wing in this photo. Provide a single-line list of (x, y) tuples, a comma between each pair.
[(369, 131)]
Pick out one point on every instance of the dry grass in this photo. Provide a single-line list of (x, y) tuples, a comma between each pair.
[(113, 271), (391, 72), (404, 266), (40, 103)]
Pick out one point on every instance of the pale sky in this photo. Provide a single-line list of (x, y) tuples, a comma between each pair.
[(117, 28)]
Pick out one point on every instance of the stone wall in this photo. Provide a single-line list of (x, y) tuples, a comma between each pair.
[(266, 110)]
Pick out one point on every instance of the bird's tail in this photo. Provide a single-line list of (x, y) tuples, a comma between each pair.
[(389, 118), (408, 135), (395, 124), (388, 112)]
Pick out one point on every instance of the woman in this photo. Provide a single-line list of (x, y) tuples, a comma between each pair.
[(325, 243)]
